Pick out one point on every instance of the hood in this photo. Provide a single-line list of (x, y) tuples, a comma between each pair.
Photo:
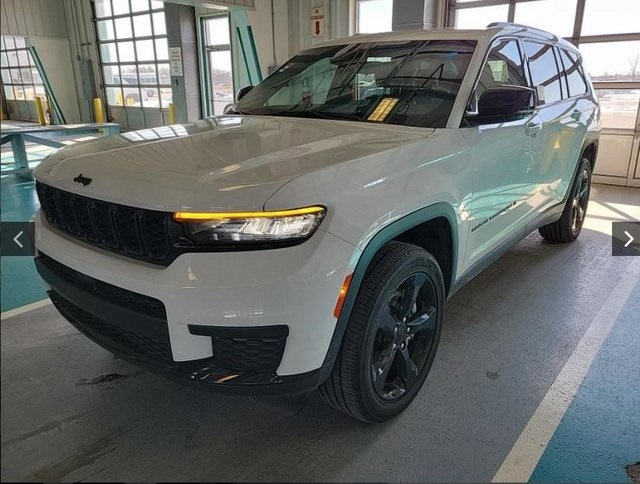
[(217, 164)]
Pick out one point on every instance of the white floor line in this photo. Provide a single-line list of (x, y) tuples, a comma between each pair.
[(528, 449), (24, 309)]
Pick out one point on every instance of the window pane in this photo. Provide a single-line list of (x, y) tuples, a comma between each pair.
[(23, 58), (129, 75), (108, 52), (123, 28), (479, 18), (5, 76), (12, 56), (120, 7), (162, 49), (26, 75), (105, 30), (142, 25), (612, 61), (114, 96), (155, 5), (139, 5), (8, 92), (131, 96), (16, 78), (4, 62), (607, 17), (126, 52), (221, 80), (19, 92), (103, 8), (577, 85), (111, 74), (29, 93), (374, 16), (165, 97), (35, 75), (150, 98), (619, 108), (159, 26), (537, 14), (544, 71), (147, 74), (164, 76), (20, 43), (218, 31), (144, 48), (10, 43), (40, 91)]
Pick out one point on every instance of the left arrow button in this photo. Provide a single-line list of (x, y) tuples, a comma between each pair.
[(15, 239)]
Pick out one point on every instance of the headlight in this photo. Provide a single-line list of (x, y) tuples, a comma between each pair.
[(281, 226)]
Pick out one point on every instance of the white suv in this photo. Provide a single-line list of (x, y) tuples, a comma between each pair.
[(310, 238)]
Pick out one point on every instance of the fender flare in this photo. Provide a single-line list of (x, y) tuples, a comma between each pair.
[(385, 235)]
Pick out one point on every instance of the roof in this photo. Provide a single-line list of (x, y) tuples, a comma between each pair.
[(492, 30)]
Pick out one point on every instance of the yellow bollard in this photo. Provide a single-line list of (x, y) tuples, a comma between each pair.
[(98, 112), (40, 111), (172, 114)]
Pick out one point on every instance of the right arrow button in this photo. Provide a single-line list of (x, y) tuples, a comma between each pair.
[(631, 239)]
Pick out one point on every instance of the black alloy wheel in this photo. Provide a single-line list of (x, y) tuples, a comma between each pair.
[(391, 337), (405, 337)]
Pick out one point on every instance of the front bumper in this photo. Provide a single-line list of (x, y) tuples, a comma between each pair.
[(249, 322)]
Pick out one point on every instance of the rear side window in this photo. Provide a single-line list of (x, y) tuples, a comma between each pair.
[(575, 79), (544, 70)]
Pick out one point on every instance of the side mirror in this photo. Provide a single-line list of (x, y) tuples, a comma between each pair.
[(506, 101), (242, 92)]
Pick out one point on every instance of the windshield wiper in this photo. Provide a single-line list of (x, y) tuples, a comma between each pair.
[(407, 99), (317, 114)]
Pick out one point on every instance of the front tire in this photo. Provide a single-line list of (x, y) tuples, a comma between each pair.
[(391, 337), (569, 226)]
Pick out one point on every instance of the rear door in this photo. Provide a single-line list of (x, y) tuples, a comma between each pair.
[(564, 112)]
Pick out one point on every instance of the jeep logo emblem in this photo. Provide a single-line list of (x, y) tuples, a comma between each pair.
[(82, 179)]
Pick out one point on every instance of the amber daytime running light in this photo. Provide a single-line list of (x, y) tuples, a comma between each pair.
[(212, 228)]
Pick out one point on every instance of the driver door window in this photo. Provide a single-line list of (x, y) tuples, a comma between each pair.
[(504, 67)]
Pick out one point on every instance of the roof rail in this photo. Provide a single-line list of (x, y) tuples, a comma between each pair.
[(522, 26)]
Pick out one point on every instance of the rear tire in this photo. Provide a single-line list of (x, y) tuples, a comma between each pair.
[(392, 335), (569, 226)]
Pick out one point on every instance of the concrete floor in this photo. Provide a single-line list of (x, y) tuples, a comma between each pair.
[(507, 336)]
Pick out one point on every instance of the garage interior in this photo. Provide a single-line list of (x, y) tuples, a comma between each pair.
[(536, 374)]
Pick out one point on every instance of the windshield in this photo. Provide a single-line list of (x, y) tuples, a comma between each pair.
[(409, 83)]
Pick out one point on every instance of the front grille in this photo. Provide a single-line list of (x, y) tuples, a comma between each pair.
[(248, 354), (148, 235), (122, 297), (155, 351)]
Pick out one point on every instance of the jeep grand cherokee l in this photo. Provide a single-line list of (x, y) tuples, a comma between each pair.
[(310, 237)]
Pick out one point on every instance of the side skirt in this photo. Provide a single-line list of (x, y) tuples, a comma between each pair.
[(550, 215)]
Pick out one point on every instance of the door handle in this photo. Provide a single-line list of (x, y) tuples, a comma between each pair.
[(532, 129)]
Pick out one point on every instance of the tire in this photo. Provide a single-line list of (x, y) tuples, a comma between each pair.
[(391, 339), (569, 226)]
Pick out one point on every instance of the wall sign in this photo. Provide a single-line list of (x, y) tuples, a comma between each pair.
[(317, 22), (175, 60)]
